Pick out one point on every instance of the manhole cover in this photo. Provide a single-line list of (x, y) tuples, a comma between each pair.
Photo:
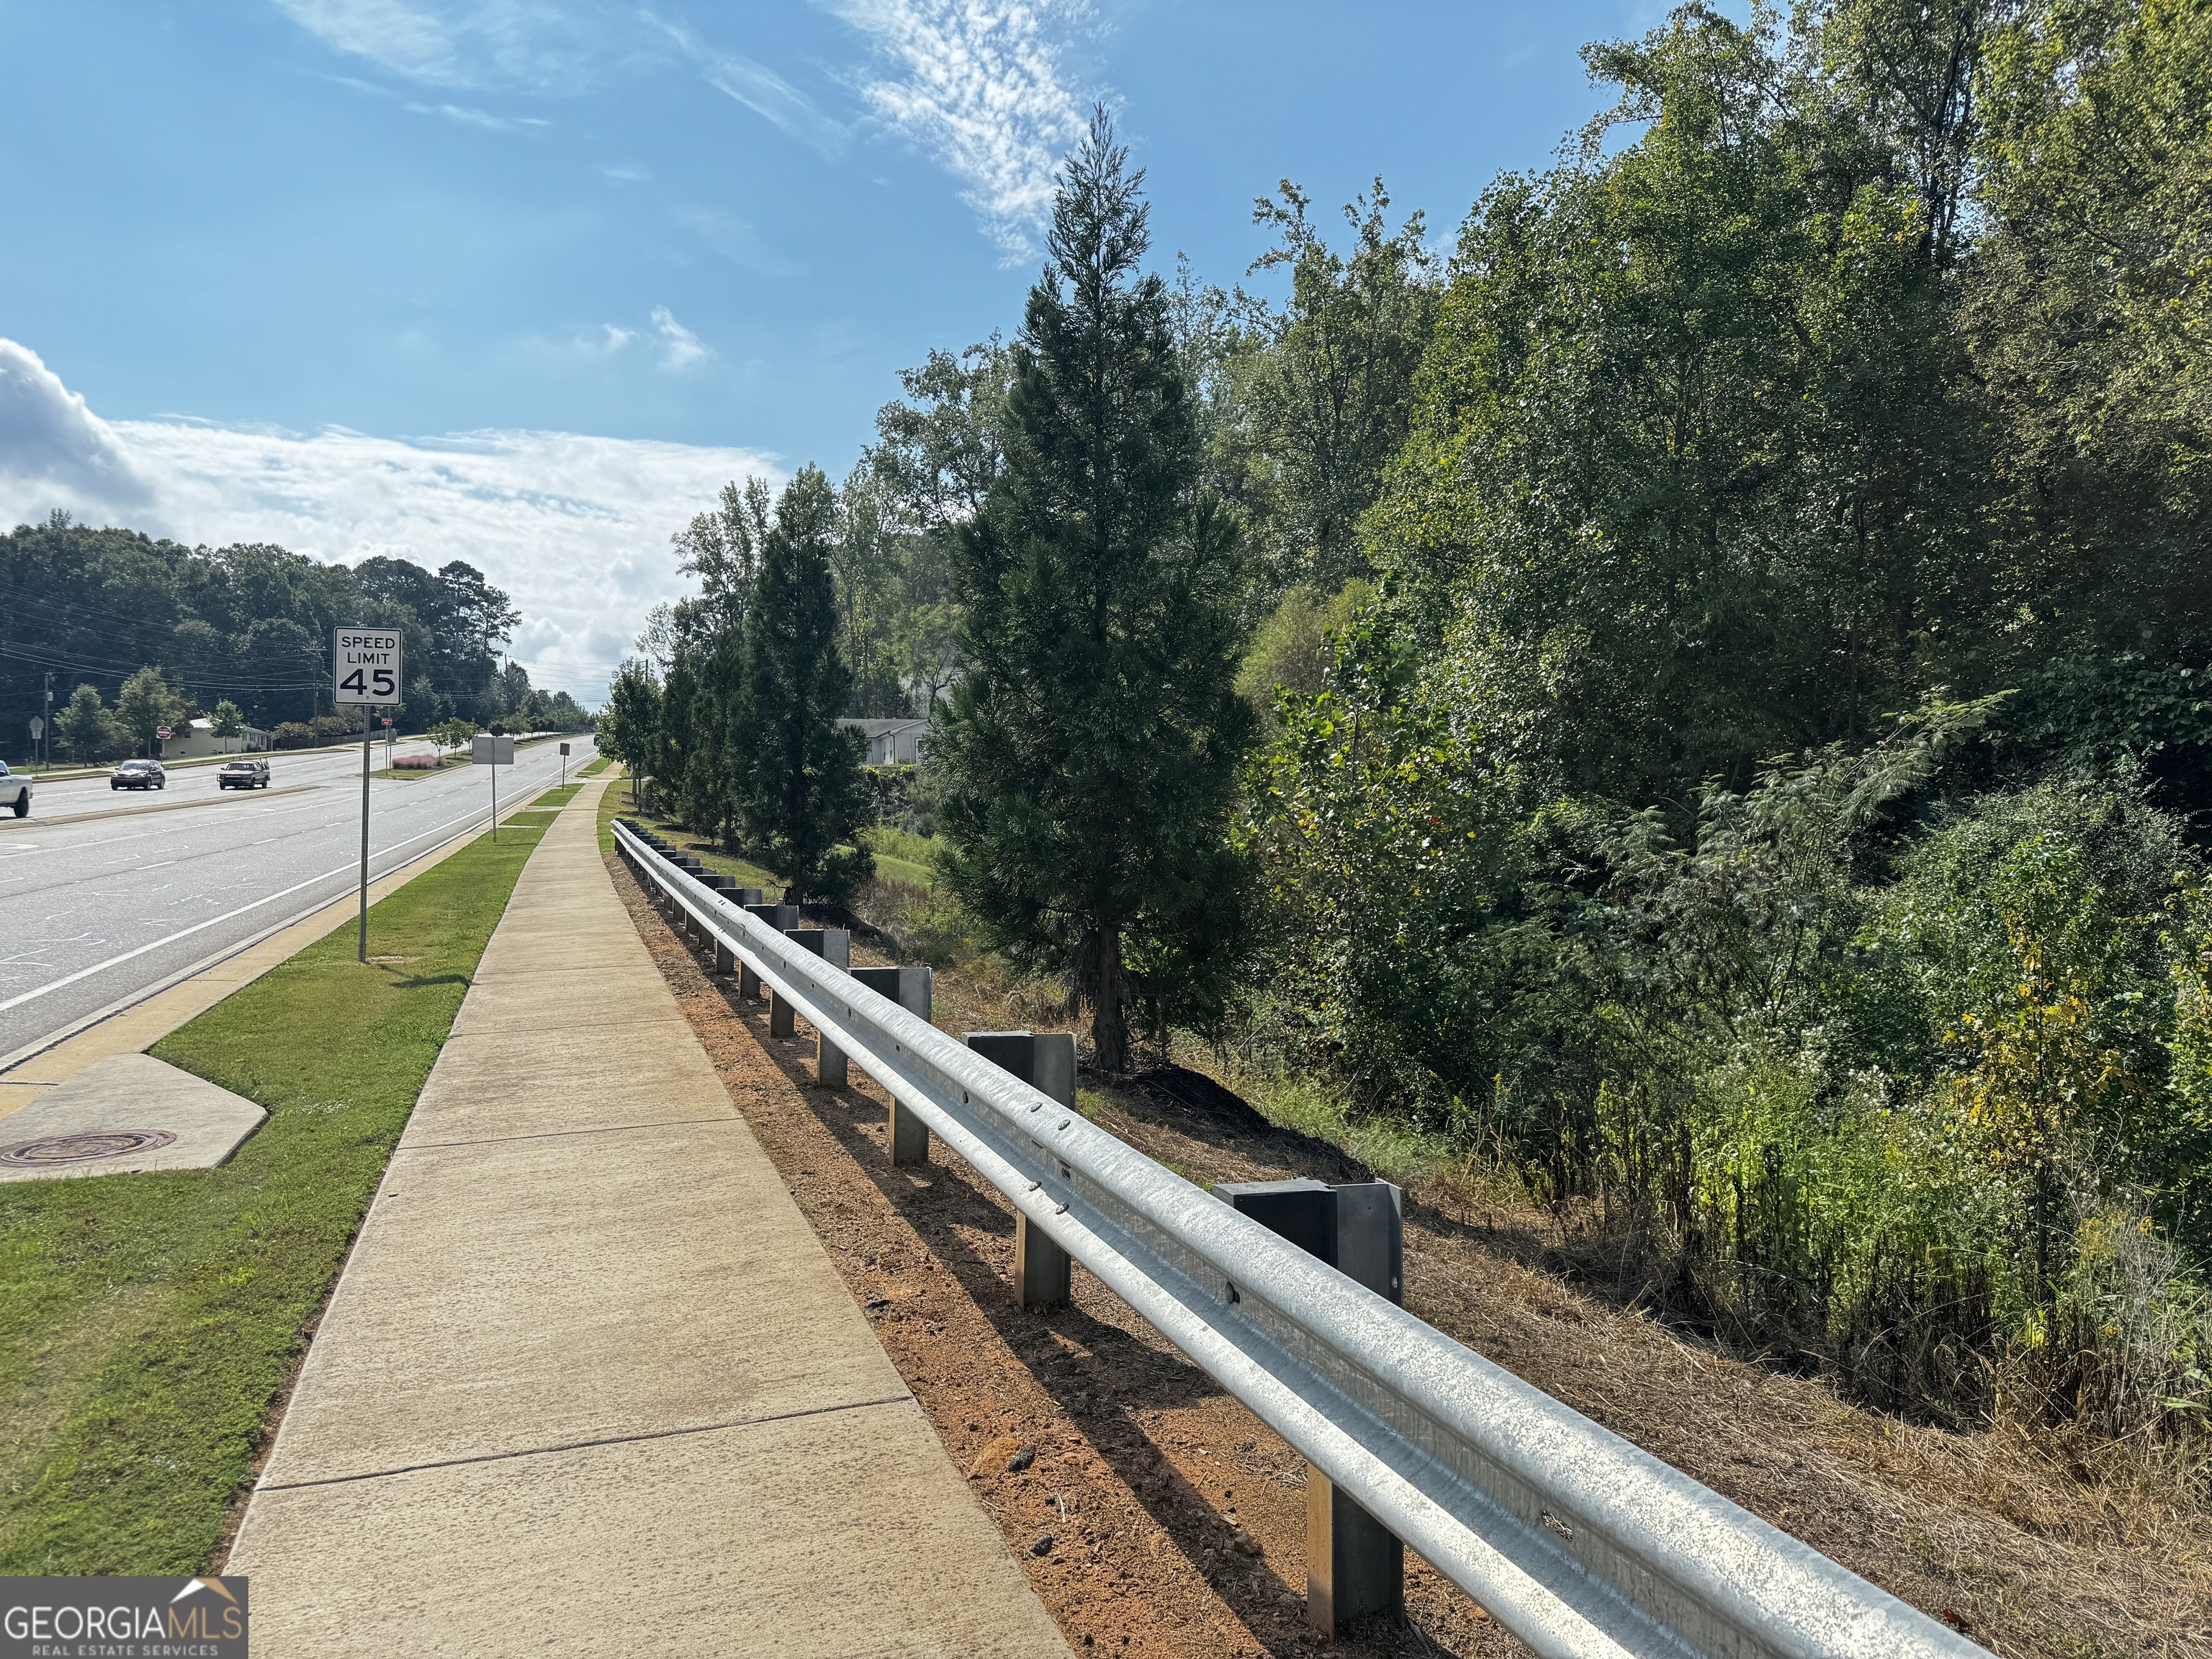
[(82, 1148)]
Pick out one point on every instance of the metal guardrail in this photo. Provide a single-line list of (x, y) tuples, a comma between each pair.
[(1582, 1545)]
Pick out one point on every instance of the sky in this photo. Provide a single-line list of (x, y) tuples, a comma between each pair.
[(525, 281)]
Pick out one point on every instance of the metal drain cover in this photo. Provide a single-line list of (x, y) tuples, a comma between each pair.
[(82, 1148)]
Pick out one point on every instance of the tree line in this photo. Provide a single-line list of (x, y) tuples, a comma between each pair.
[(138, 633), (1696, 698)]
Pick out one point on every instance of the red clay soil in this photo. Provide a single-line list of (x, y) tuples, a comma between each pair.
[(1155, 1515)]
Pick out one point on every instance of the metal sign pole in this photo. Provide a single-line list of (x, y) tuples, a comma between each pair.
[(367, 726), (365, 672), (494, 769)]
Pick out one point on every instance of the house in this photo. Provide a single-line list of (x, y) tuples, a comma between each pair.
[(198, 739), (890, 742)]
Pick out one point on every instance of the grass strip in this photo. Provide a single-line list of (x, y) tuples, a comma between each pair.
[(593, 768), (148, 1323), (748, 874)]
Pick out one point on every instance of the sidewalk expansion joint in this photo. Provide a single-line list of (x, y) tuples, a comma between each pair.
[(585, 1445), (555, 1134)]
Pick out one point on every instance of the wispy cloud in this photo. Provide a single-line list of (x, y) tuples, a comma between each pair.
[(736, 240), (979, 86), (680, 348), (461, 116), (575, 527), (758, 88), (630, 172), (537, 44)]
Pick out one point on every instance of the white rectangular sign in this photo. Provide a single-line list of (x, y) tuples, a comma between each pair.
[(485, 749), (365, 661)]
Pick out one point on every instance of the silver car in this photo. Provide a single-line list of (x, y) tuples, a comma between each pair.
[(15, 791)]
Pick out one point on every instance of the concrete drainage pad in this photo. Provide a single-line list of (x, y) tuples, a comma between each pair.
[(123, 1115)]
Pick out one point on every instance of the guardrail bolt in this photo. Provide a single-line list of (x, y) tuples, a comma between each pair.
[(1046, 1061), (1354, 1565), (907, 1135)]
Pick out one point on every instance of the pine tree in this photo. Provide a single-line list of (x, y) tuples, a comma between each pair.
[(1091, 750), (802, 796)]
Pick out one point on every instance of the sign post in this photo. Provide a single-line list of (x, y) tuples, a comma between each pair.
[(365, 665), (492, 753), (564, 766)]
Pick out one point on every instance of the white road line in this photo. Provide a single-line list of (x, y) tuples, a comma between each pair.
[(186, 933)]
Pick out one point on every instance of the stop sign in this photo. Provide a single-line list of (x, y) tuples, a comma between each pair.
[(162, 732)]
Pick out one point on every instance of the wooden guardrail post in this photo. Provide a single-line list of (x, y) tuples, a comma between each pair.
[(1046, 1061), (1354, 1565), (907, 1135)]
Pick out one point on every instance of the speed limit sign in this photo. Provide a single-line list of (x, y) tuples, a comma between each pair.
[(365, 662)]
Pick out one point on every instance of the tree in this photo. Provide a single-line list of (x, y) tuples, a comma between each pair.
[(801, 795), (225, 721), (631, 718), (1091, 748), (85, 725), (453, 734), (1331, 397), (144, 706)]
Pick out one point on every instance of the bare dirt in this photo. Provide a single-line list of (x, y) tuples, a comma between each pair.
[(1155, 1515)]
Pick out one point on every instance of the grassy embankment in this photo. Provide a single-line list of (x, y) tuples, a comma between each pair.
[(148, 1323), (594, 767)]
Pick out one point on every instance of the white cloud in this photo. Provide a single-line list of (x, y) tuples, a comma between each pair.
[(736, 240), (535, 45), (575, 527), (50, 440), (461, 116), (980, 87), (681, 348), (758, 88)]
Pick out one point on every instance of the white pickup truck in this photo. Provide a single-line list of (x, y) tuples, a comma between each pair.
[(15, 791)]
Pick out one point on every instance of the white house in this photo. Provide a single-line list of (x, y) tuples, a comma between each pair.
[(890, 742), (198, 739)]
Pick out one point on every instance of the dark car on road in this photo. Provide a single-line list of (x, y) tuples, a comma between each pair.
[(138, 775), (243, 775)]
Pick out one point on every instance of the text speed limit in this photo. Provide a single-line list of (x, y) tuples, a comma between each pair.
[(366, 661)]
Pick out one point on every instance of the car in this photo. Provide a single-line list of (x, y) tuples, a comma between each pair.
[(15, 791), (242, 774), (138, 775)]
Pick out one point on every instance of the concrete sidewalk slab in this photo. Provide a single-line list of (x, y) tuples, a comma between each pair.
[(589, 1383), (790, 1539), (122, 1115)]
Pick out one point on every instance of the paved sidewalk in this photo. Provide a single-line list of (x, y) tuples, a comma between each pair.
[(589, 1384)]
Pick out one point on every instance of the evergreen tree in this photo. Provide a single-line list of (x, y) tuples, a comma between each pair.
[(1091, 748), (802, 797)]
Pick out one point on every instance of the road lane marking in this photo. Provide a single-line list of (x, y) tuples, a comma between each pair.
[(347, 868)]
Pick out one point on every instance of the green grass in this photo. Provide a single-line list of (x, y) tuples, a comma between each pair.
[(148, 1323), (901, 856), (593, 769), (728, 863)]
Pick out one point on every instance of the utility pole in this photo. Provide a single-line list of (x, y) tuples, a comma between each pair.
[(50, 719)]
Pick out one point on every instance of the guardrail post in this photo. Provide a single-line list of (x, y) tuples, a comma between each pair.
[(907, 1135), (1046, 1061), (1354, 1565), (778, 917), (835, 946)]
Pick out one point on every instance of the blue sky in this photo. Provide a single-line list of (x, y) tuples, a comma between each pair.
[(520, 281)]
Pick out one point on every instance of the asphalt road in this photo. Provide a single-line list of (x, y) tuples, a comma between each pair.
[(96, 911)]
